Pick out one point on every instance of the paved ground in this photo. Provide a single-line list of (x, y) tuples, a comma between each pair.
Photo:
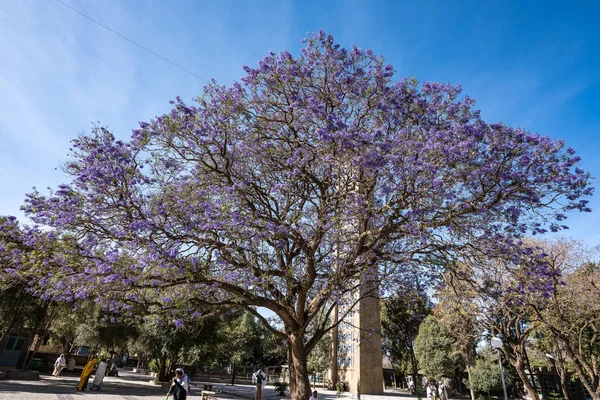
[(130, 386)]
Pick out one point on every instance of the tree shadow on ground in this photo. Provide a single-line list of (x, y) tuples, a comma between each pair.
[(133, 388)]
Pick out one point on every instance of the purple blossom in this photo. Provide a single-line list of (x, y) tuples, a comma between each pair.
[(310, 173)]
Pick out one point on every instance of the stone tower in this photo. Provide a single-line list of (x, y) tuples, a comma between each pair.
[(358, 345)]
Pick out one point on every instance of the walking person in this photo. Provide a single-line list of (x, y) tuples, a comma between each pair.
[(59, 365), (443, 391), (85, 375), (112, 368), (99, 376), (180, 386), (259, 379)]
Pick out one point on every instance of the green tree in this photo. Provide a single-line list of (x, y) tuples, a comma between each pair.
[(320, 357), (433, 348), (401, 316), (240, 342), (485, 374), (459, 314), (169, 344)]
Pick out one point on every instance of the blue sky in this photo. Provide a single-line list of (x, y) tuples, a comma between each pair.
[(530, 64)]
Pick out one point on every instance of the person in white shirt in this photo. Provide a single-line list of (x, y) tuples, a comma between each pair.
[(59, 364), (314, 395), (180, 388), (259, 379), (99, 376)]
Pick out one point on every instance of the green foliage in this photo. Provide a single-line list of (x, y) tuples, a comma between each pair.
[(240, 340), (20, 310), (401, 316), (433, 348), (281, 387), (554, 396), (340, 387), (153, 365), (93, 328), (319, 358), (164, 341), (485, 374)]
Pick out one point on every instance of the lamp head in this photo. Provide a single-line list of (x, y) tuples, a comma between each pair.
[(496, 342)]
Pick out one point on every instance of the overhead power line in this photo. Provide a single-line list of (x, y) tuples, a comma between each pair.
[(132, 41)]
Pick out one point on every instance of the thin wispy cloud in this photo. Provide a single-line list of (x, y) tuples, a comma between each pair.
[(57, 75), (59, 72)]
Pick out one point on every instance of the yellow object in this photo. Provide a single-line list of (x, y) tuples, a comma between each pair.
[(87, 371)]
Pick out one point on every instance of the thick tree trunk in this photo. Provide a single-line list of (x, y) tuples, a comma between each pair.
[(563, 384), (561, 370), (291, 371), (525, 380), (301, 389), (31, 353), (162, 370), (233, 375)]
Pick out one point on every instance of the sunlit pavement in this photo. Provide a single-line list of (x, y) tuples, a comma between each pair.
[(130, 386)]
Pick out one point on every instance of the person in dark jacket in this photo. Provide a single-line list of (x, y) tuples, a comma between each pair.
[(180, 386)]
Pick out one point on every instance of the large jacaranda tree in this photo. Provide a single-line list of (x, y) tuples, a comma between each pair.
[(314, 177)]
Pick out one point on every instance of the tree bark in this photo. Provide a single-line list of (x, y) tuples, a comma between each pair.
[(561, 370), (563, 385), (301, 389), (526, 382), (291, 371), (162, 369), (469, 379), (590, 382), (233, 375), (31, 353)]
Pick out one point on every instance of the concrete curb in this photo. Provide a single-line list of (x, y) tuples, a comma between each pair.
[(233, 394), (246, 396)]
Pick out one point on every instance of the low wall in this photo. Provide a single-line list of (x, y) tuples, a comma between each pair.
[(47, 361), (20, 375)]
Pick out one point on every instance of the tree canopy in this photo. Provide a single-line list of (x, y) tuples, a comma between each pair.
[(314, 175), (433, 348), (485, 375), (401, 316)]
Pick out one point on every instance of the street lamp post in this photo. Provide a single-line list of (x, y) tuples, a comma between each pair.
[(497, 344)]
